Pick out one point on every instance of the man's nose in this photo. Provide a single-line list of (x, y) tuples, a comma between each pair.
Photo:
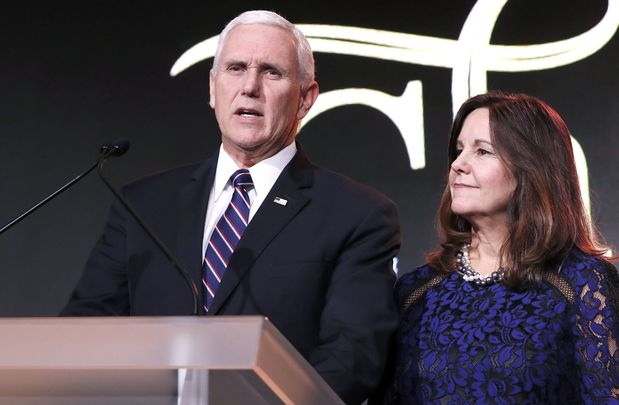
[(251, 85)]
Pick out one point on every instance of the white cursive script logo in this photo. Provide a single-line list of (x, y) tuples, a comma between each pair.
[(470, 57)]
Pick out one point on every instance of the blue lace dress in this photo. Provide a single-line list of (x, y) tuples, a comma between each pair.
[(459, 343)]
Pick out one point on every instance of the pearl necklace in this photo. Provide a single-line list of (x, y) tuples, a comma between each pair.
[(463, 266)]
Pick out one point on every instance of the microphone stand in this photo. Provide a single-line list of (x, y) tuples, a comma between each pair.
[(117, 148), (106, 152), (194, 290)]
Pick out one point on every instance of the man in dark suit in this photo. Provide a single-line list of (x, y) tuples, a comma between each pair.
[(315, 248)]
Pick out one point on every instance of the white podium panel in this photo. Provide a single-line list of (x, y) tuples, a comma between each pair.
[(153, 360)]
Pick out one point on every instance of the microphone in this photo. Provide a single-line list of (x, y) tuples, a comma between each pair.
[(119, 148)]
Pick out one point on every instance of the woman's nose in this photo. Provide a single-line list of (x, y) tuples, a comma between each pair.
[(460, 165)]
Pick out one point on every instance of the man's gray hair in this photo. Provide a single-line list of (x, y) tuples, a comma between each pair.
[(305, 58)]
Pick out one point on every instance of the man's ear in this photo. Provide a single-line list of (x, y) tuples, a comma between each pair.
[(211, 89), (307, 99)]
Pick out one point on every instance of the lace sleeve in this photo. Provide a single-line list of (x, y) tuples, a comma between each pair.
[(596, 329), (409, 289)]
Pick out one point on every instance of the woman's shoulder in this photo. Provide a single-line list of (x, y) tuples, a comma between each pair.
[(414, 280), (580, 268), (588, 273), (416, 275)]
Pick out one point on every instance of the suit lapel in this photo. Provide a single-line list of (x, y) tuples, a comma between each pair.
[(192, 205), (266, 224)]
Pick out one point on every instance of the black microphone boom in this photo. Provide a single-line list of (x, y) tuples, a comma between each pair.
[(117, 148)]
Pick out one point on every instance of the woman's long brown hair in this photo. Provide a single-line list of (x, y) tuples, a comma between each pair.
[(546, 215)]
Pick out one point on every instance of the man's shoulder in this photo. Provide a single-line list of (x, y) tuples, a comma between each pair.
[(167, 178), (330, 180)]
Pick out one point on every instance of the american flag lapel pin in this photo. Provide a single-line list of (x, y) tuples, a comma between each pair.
[(280, 201)]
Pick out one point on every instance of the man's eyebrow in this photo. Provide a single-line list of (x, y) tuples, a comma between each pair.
[(234, 62), (262, 67), (267, 65)]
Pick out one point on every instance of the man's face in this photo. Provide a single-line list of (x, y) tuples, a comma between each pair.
[(256, 93)]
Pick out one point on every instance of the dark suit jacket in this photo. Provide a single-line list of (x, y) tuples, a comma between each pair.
[(319, 267)]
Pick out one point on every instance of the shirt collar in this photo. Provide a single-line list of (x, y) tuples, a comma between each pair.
[(264, 173)]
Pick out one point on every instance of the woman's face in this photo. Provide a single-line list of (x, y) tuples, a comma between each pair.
[(481, 186)]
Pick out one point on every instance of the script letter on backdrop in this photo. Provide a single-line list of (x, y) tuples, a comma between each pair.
[(470, 57)]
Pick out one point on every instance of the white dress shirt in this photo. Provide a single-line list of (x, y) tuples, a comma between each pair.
[(264, 174)]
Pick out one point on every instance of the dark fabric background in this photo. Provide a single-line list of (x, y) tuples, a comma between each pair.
[(74, 75)]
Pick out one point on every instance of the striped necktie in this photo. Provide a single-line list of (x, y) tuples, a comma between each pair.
[(226, 235)]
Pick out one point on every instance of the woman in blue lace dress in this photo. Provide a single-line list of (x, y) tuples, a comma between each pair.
[(518, 305)]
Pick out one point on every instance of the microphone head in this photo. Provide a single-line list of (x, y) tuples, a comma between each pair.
[(117, 148)]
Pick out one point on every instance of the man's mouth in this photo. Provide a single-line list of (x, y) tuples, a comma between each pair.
[(248, 112)]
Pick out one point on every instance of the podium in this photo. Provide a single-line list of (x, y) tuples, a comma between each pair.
[(153, 360)]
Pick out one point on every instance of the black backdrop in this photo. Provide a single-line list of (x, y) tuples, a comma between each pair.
[(75, 75)]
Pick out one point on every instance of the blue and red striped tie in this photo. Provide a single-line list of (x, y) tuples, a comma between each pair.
[(226, 235)]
